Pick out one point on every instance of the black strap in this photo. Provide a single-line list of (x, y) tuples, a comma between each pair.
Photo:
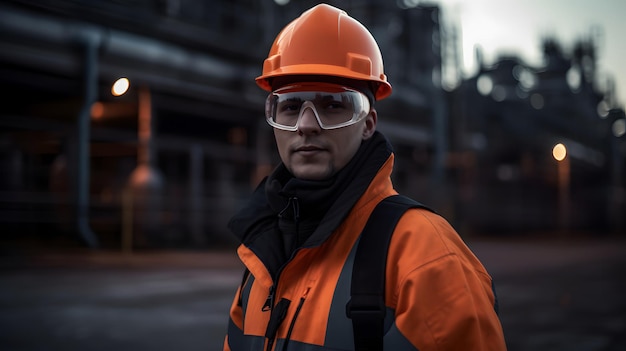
[(246, 274), (366, 307)]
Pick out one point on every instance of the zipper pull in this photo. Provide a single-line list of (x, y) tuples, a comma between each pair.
[(269, 303), (276, 319)]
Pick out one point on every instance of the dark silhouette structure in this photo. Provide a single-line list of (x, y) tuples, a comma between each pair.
[(166, 163)]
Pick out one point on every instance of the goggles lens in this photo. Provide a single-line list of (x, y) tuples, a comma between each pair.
[(334, 106)]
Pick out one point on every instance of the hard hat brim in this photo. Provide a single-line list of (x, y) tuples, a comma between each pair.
[(383, 90)]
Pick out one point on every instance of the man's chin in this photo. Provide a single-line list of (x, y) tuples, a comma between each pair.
[(312, 172)]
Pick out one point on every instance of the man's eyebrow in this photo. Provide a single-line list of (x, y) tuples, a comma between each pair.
[(294, 99), (327, 96)]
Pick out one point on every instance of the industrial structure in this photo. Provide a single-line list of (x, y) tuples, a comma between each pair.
[(168, 162)]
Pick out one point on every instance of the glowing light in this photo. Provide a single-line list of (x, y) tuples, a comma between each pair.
[(120, 86), (526, 78), (559, 152), (619, 127), (498, 93), (603, 109), (97, 110), (407, 4), (536, 101), (281, 2), (484, 84), (574, 79)]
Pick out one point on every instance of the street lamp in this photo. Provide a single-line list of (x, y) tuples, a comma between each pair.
[(559, 152), (141, 199), (120, 87)]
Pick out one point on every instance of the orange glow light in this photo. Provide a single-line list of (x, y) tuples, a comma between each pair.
[(120, 86), (559, 152), (97, 110)]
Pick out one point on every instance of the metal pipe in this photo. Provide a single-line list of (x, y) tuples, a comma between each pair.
[(90, 43), (122, 48)]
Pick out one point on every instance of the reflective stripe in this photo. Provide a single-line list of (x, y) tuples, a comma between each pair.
[(245, 296), (339, 328), (237, 341), (299, 346), (394, 340)]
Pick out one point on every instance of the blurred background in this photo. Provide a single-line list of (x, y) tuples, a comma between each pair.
[(130, 131)]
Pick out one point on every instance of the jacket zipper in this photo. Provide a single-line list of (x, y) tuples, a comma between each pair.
[(279, 312), (268, 306), (295, 316), (269, 302)]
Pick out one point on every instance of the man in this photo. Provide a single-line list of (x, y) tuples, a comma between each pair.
[(300, 229)]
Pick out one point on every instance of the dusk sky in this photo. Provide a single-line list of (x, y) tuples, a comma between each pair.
[(518, 26)]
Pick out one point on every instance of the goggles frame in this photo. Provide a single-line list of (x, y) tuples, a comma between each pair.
[(315, 88)]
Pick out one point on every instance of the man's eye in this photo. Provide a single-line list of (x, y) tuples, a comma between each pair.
[(289, 107), (334, 105)]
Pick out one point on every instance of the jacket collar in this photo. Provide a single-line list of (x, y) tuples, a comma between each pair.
[(255, 225)]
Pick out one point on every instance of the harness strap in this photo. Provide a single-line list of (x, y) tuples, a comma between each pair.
[(366, 307)]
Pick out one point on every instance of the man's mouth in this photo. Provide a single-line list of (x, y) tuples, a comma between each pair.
[(308, 149)]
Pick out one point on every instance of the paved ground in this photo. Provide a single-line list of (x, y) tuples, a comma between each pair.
[(554, 295), (560, 296)]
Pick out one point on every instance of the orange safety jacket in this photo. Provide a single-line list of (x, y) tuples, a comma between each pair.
[(437, 293)]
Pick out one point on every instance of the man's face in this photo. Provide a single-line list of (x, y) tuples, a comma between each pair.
[(314, 153)]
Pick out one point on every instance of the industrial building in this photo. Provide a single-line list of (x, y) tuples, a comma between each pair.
[(166, 163)]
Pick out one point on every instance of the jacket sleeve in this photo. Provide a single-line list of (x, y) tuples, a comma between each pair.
[(442, 294)]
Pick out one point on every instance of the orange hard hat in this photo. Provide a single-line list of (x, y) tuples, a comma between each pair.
[(325, 41)]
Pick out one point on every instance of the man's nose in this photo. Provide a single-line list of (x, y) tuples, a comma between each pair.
[(308, 122)]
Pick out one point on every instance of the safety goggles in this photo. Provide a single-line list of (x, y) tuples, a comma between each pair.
[(334, 106)]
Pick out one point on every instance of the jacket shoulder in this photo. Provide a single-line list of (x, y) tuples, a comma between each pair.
[(423, 237)]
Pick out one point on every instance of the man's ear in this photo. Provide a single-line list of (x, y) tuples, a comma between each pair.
[(370, 124)]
